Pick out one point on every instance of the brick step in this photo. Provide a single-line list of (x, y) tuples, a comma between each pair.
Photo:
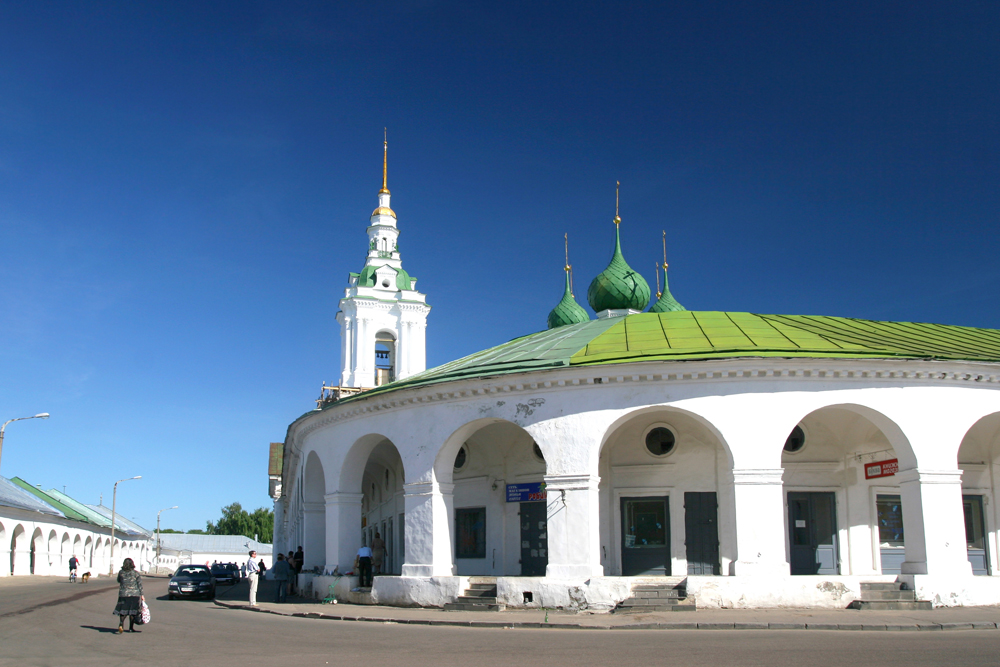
[(889, 595), (881, 586), (464, 606), (893, 605)]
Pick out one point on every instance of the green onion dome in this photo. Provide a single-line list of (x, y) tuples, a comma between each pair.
[(618, 286), (666, 303), (567, 311)]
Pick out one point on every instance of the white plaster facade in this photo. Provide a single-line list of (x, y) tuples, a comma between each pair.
[(34, 543), (391, 457)]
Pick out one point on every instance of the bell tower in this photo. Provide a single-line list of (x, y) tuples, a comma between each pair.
[(382, 316)]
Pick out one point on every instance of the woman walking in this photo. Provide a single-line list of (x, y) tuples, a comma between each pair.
[(130, 597)]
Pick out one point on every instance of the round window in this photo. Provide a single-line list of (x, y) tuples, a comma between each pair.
[(660, 441), (537, 451), (385, 282), (461, 458), (796, 440)]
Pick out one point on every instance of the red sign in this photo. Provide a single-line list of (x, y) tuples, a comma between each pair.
[(882, 469)]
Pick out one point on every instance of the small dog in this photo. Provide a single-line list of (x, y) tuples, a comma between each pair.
[(84, 577)]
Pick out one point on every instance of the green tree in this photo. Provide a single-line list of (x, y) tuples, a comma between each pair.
[(237, 521)]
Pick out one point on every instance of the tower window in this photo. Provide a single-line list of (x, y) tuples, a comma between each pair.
[(461, 458), (660, 441), (385, 282), (796, 440)]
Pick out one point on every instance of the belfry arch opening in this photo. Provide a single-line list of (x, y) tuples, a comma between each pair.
[(385, 358), (979, 460)]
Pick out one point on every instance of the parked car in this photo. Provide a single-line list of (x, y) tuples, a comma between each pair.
[(223, 575), (192, 581), (235, 569)]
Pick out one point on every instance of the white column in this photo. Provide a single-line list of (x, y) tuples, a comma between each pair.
[(429, 528), (760, 522), (343, 529), (573, 531), (403, 350), (4, 562), (933, 522), (313, 535), (22, 561)]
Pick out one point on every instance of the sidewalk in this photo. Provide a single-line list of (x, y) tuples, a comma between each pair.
[(951, 618)]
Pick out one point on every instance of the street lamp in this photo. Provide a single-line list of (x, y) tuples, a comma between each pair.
[(114, 500), (40, 415), (158, 532)]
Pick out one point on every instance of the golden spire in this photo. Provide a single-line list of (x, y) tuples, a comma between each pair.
[(617, 219), (658, 292), (664, 250), (385, 162), (569, 267)]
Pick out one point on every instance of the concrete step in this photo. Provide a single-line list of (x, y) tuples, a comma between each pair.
[(662, 593), (892, 605), (881, 586), (688, 606), (652, 602), (657, 587), (889, 595), (476, 599), (465, 606), (482, 586), (490, 592)]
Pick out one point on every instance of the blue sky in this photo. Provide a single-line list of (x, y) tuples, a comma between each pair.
[(184, 187)]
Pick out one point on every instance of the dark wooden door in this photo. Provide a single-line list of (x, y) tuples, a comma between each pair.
[(812, 525), (645, 536), (534, 539), (701, 532)]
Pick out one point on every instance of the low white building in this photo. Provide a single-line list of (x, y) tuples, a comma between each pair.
[(758, 460), (41, 530), (183, 549)]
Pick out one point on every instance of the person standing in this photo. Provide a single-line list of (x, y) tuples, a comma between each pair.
[(299, 559), (74, 563), (378, 553), (281, 571), (253, 575), (293, 580), (130, 597), (364, 567)]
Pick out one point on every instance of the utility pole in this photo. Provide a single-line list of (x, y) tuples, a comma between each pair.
[(114, 502)]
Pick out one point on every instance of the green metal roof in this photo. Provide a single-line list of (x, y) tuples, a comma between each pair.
[(692, 335), (92, 516), (666, 303), (367, 277), (68, 511), (567, 311), (618, 287)]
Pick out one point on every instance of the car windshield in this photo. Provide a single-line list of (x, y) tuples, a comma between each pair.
[(193, 572)]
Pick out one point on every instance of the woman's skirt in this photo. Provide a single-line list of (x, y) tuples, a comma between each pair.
[(128, 606)]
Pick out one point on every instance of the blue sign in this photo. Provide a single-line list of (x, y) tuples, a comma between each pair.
[(525, 493)]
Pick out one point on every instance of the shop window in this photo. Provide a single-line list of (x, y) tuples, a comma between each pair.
[(796, 440), (470, 532), (890, 521)]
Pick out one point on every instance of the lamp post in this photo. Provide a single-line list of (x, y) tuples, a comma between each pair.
[(114, 500), (40, 415), (158, 532)]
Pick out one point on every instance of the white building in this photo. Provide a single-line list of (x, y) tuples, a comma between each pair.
[(760, 460), (183, 549), (41, 530)]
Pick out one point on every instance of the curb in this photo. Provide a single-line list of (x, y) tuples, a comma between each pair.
[(862, 627)]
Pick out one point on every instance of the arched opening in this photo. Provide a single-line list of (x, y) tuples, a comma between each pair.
[(844, 510), (19, 563), (383, 508), (499, 518), (53, 555), (88, 553), (385, 358), (77, 549), (37, 549), (979, 459), (664, 474), (314, 513)]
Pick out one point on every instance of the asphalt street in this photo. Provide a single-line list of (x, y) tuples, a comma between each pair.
[(47, 622)]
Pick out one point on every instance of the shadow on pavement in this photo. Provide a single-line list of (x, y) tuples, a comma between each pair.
[(105, 630)]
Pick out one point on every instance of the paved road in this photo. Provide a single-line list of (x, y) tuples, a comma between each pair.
[(80, 631)]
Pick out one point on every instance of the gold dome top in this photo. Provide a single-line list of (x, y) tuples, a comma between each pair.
[(383, 210)]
